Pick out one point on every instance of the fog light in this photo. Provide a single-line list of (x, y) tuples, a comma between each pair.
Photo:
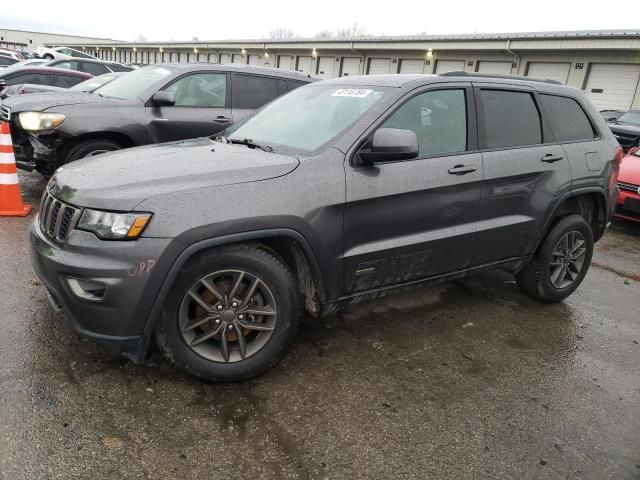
[(87, 289)]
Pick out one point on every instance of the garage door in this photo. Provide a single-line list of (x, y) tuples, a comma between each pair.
[(379, 66), (550, 71), (238, 58), (224, 58), (350, 67), (254, 59), (304, 64), (285, 62), (503, 68), (325, 67), (612, 86), (411, 66), (443, 66)]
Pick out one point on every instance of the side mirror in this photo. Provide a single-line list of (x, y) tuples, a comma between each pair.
[(391, 145), (163, 98)]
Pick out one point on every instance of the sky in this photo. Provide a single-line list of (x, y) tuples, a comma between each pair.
[(251, 19)]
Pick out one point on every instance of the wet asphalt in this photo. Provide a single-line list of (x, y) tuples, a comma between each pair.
[(469, 379)]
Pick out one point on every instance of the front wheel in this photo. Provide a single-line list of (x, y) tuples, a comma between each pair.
[(232, 314), (90, 148), (561, 263)]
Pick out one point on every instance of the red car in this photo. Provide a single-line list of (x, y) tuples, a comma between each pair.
[(628, 207)]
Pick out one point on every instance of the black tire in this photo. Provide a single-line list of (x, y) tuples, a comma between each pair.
[(275, 275), (47, 56), (91, 147), (535, 278)]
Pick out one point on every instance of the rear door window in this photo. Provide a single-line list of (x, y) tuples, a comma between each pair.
[(68, 65), (252, 91), (509, 119), (568, 120), (35, 78), (65, 81), (94, 69)]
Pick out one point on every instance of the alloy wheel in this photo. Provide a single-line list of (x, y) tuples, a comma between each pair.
[(228, 316), (567, 260)]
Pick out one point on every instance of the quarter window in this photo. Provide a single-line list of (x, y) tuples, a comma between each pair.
[(250, 91), (200, 90), (509, 119), (439, 119), (567, 118)]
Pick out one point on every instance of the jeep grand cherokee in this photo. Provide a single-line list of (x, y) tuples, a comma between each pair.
[(341, 190)]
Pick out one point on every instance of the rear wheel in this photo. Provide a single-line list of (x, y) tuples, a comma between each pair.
[(561, 263), (232, 314), (48, 56), (90, 148)]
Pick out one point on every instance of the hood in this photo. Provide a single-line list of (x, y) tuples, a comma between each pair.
[(625, 128), (121, 180), (44, 101), (630, 170)]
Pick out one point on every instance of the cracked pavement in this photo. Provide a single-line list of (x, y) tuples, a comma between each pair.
[(468, 379)]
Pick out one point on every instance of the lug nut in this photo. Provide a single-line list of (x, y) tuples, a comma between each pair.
[(219, 307), (217, 321), (234, 304), (241, 317), (230, 327)]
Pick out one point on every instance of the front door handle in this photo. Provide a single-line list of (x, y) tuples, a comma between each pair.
[(550, 158), (222, 119), (462, 169)]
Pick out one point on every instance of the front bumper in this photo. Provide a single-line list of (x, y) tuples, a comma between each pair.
[(132, 272), (628, 206)]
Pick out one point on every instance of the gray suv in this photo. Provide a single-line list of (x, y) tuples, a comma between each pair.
[(339, 191)]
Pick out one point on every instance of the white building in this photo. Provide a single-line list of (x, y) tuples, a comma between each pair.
[(606, 64)]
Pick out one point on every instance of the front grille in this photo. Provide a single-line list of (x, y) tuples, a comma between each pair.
[(628, 186), (5, 113), (57, 218)]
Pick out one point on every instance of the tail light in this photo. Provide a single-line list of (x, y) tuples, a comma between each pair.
[(619, 154)]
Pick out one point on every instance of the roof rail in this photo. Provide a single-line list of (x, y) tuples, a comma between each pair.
[(497, 75)]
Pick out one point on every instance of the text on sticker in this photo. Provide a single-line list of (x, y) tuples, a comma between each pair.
[(352, 92)]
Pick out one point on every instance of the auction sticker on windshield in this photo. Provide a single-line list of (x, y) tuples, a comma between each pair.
[(352, 92)]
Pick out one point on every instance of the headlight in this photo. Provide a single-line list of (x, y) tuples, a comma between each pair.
[(114, 226), (40, 121)]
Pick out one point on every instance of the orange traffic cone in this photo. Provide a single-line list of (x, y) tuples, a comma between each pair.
[(10, 198)]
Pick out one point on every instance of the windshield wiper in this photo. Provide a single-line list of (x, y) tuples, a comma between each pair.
[(248, 142)]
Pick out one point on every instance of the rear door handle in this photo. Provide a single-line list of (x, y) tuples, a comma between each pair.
[(462, 169), (222, 119), (550, 158)]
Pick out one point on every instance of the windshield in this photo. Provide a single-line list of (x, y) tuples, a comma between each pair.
[(94, 83), (630, 117), (307, 118), (134, 84)]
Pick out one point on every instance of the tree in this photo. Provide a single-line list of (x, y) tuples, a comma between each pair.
[(281, 33), (324, 34), (141, 39), (354, 31)]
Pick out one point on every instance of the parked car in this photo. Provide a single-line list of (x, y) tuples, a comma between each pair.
[(628, 207), (94, 67), (88, 86), (626, 129), (148, 105), (57, 53), (31, 62), (7, 52), (611, 115), (42, 76), (340, 191), (6, 61)]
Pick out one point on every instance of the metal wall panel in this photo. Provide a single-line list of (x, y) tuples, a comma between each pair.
[(612, 86), (443, 66), (550, 71), (379, 66)]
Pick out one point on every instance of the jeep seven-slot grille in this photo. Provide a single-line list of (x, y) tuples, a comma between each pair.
[(628, 186), (57, 218), (5, 113)]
